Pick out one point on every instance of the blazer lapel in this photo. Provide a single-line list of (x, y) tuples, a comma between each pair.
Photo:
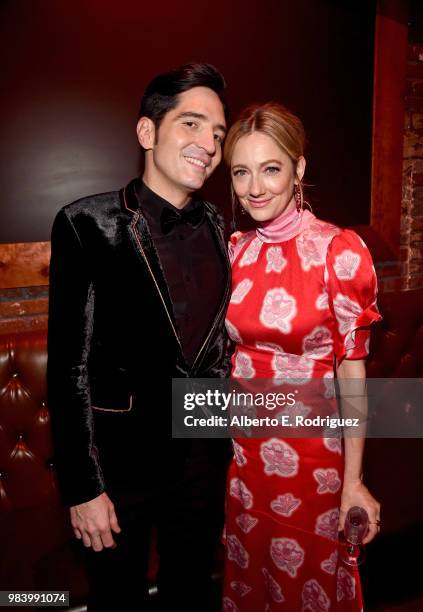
[(219, 237)]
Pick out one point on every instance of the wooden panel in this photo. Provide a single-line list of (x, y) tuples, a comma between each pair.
[(24, 264)]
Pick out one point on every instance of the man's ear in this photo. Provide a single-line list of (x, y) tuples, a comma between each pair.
[(146, 133)]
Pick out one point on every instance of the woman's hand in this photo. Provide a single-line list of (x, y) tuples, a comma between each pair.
[(355, 493)]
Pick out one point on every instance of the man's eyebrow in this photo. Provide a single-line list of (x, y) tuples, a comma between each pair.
[(200, 116)]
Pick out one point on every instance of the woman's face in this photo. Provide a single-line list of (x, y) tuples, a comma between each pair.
[(263, 176)]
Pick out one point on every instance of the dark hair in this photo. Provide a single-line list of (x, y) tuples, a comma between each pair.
[(161, 94)]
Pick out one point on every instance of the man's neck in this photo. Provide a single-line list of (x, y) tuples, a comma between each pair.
[(174, 196)]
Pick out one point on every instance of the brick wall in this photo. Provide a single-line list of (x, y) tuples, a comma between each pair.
[(412, 195)]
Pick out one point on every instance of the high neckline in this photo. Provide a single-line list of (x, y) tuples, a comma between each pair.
[(286, 226)]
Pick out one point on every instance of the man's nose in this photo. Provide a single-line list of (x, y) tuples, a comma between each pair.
[(207, 141)]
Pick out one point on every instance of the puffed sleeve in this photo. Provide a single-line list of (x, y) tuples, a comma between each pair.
[(352, 291)]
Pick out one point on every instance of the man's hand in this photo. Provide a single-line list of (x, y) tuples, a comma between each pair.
[(94, 521)]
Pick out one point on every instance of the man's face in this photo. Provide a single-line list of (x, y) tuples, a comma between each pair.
[(187, 147)]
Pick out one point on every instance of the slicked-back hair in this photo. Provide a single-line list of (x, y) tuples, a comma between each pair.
[(161, 94)]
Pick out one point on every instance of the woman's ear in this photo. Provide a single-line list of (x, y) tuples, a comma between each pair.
[(146, 132), (301, 166)]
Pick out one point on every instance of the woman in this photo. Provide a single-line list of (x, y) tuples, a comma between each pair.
[(303, 299)]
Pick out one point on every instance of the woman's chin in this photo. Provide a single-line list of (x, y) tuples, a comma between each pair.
[(261, 215)]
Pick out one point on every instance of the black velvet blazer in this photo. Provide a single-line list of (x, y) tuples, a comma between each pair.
[(112, 342)]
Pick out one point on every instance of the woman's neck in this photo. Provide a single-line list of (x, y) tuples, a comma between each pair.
[(286, 226)]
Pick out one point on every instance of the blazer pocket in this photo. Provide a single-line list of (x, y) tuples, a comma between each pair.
[(127, 408), (111, 392)]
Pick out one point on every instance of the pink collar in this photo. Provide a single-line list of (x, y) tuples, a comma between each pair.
[(286, 226)]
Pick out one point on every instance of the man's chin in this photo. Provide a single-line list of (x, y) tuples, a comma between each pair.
[(195, 184)]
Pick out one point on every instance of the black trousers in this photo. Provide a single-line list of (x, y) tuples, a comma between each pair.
[(186, 508)]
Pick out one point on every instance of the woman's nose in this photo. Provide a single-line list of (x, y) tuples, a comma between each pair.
[(256, 187)]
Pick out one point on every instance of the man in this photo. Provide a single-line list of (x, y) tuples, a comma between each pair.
[(139, 285)]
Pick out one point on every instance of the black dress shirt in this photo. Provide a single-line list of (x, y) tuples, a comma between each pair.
[(192, 265)]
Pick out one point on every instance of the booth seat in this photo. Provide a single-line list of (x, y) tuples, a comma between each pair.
[(37, 548)]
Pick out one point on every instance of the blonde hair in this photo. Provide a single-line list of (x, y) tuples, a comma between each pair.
[(275, 121)]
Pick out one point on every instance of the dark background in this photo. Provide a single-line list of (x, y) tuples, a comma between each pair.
[(73, 73)]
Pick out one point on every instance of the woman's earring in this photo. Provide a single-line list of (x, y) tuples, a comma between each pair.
[(243, 211), (297, 197)]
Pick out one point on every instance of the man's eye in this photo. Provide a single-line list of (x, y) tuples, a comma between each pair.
[(190, 123), (219, 138), (272, 169)]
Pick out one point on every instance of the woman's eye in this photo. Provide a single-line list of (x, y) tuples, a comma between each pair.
[(239, 172), (272, 169)]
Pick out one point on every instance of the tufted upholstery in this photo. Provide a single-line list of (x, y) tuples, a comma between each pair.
[(37, 550)]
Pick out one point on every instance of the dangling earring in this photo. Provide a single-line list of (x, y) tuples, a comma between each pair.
[(297, 197), (235, 203)]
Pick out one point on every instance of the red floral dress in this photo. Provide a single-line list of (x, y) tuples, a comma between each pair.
[(294, 306)]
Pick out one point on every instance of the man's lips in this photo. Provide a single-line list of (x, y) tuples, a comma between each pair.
[(259, 203)]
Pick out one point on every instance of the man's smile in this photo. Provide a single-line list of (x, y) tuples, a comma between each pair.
[(196, 162)]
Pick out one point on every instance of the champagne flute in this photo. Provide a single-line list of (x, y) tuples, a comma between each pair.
[(355, 529)]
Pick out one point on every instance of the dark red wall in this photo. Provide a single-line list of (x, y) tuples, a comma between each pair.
[(73, 72)]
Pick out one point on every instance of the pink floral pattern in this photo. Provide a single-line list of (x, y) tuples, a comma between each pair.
[(285, 504), (287, 555), (346, 311), (318, 343), (251, 253), (298, 409), (238, 453), (233, 332), (312, 244), (240, 587), (237, 241), (346, 264), (329, 382), (229, 605), (272, 587), (314, 597), (269, 346), (295, 369), (241, 291), (333, 444), (329, 565), (322, 301), (236, 551), (239, 490), (345, 585), (276, 262), (246, 522), (279, 458), (278, 310), (328, 480), (327, 524), (243, 366)]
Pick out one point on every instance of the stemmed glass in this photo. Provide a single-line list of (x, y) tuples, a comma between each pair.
[(355, 529)]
